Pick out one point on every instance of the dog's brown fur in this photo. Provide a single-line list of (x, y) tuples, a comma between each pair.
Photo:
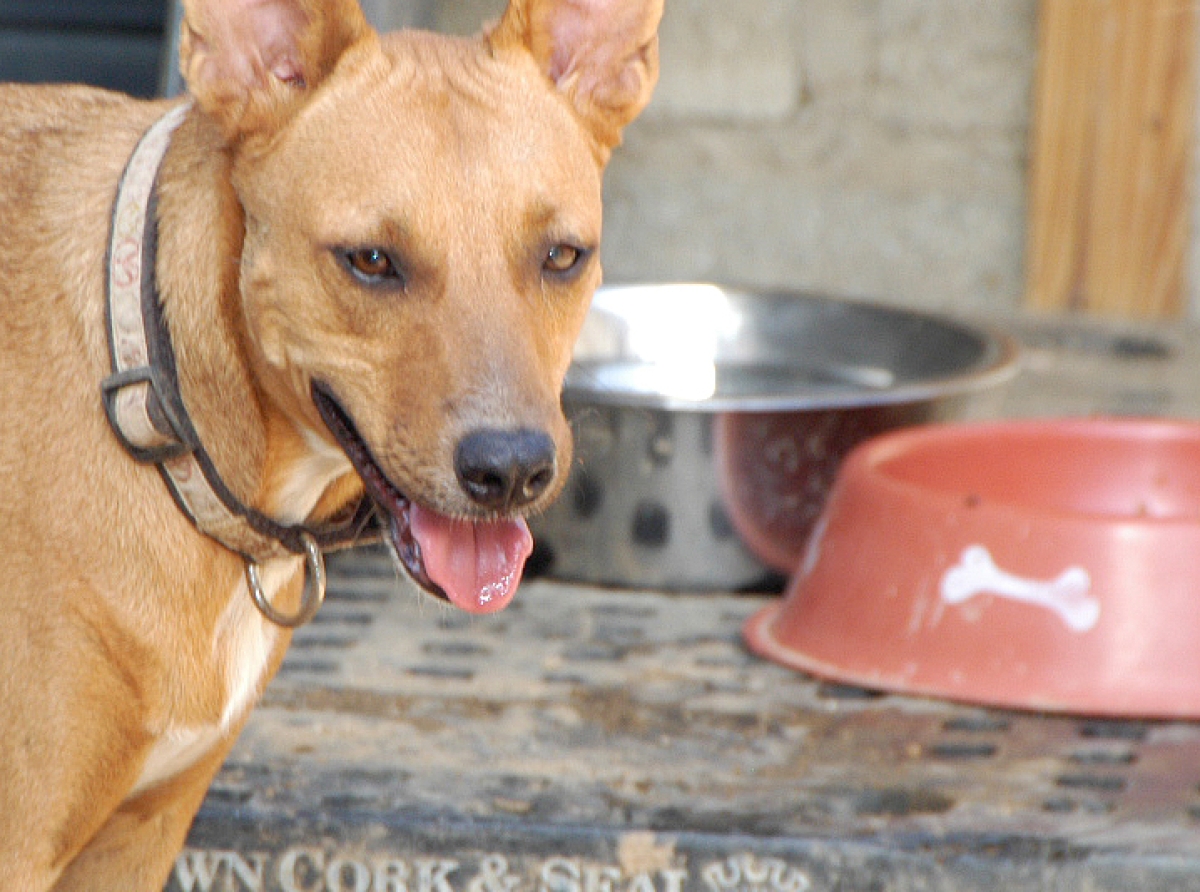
[(129, 649)]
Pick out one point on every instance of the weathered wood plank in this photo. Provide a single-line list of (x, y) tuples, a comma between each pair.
[(1109, 211)]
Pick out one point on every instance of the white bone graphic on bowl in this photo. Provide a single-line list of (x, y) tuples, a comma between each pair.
[(1067, 594)]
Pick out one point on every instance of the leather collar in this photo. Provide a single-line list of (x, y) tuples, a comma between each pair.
[(146, 410)]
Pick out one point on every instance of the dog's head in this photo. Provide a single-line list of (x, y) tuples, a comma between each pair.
[(422, 222)]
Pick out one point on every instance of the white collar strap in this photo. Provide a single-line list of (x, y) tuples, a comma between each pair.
[(146, 410)]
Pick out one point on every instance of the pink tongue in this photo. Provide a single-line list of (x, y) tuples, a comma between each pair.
[(478, 564)]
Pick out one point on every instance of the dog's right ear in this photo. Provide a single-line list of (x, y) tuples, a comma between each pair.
[(249, 63)]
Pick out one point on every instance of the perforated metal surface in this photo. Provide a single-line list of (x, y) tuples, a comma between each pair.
[(600, 741)]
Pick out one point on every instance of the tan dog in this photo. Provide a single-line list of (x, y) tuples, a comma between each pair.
[(373, 256)]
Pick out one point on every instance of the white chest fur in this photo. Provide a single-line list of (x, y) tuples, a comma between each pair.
[(242, 649), (244, 640)]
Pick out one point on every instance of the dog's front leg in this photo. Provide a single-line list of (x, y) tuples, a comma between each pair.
[(78, 692), (57, 790), (136, 848)]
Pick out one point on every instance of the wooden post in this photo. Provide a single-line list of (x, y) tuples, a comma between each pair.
[(1110, 202)]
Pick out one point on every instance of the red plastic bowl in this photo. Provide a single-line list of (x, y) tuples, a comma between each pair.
[(1047, 565)]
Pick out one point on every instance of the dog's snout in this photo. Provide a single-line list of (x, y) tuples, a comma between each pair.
[(505, 470)]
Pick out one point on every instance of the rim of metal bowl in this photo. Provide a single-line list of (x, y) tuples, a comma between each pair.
[(996, 364)]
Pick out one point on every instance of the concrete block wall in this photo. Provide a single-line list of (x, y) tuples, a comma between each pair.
[(867, 148)]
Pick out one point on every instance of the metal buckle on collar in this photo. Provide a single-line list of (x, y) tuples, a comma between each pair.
[(176, 441), (314, 588)]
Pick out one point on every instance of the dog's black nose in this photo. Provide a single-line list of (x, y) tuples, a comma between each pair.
[(505, 470)]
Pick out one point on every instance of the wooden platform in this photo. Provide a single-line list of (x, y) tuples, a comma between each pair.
[(588, 740)]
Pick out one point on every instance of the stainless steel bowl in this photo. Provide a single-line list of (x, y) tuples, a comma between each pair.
[(710, 422)]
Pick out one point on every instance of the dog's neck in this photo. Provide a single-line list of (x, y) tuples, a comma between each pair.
[(264, 458)]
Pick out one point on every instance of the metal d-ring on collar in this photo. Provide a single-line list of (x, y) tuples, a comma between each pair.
[(314, 589), (147, 413)]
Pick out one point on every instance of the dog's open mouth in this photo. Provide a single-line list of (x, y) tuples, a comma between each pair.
[(476, 565)]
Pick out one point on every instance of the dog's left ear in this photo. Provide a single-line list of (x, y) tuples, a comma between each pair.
[(603, 54), (248, 62)]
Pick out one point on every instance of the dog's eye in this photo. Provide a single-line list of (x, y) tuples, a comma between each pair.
[(562, 259), (371, 265)]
